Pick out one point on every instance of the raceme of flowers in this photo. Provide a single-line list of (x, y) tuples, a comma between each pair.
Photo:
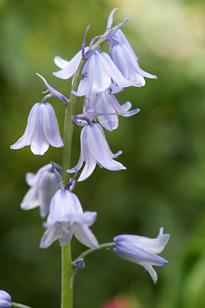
[(103, 75)]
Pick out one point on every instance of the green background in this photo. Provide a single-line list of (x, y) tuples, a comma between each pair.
[(163, 150)]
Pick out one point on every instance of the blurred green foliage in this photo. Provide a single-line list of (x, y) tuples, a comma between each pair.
[(163, 149)]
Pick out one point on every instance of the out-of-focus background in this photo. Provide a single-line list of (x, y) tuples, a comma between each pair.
[(163, 150)]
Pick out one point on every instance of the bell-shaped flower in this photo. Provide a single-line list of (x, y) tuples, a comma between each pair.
[(99, 74), (95, 150), (106, 109), (5, 299), (126, 62), (142, 250), (43, 186), (66, 218), (41, 130), (124, 56)]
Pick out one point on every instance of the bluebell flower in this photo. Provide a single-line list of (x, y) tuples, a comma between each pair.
[(99, 74), (5, 299), (124, 56), (106, 108), (41, 130), (95, 150), (43, 186), (142, 250), (66, 218)]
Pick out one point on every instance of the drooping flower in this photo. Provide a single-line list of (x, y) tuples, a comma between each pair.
[(95, 150), (124, 56), (66, 218), (142, 250), (41, 130), (105, 107), (99, 74), (43, 185), (5, 299)]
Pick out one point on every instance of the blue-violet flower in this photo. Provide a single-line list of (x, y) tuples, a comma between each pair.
[(43, 185), (5, 299), (142, 250), (125, 59), (66, 217), (95, 150), (104, 108), (41, 130), (99, 74)]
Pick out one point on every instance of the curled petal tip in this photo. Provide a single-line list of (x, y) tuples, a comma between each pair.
[(110, 19)]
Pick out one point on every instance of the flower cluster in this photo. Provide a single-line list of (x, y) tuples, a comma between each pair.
[(102, 76)]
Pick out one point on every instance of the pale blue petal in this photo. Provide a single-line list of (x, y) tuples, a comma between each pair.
[(39, 142), (71, 67), (85, 236), (4, 303), (50, 235), (90, 161), (30, 178), (151, 271), (113, 71), (48, 185), (26, 138), (30, 200), (104, 105), (151, 245), (50, 126), (98, 79), (66, 236), (99, 148), (87, 218), (137, 255), (136, 65), (60, 62)]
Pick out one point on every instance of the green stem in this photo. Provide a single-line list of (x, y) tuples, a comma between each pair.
[(67, 267), (15, 305), (91, 250)]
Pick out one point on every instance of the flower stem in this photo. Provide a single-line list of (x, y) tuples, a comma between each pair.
[(91, 250), (15, 305), (67, 268)]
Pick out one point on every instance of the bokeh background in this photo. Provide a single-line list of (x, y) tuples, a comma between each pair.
[(163, 149)]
